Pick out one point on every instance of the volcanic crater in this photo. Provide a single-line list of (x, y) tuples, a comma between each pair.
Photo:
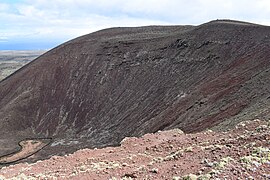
[(97, 89)]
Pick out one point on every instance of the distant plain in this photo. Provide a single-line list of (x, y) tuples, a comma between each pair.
[(10, 60)]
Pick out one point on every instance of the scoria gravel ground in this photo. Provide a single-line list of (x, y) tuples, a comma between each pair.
[(241, 153)]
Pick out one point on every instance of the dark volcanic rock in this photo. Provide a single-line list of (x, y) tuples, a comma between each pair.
[(97, 89)]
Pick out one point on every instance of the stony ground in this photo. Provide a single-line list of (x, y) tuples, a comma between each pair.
[(242, 153)]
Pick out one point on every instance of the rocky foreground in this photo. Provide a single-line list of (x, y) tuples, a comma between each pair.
[(241, 153)]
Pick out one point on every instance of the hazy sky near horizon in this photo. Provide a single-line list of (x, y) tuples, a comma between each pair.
[(43, 24)]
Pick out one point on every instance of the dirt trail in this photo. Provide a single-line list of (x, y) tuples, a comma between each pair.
[(27, 148)]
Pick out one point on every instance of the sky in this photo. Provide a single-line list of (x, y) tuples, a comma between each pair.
[(44, 24)]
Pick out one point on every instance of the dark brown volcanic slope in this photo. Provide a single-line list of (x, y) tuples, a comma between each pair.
[(97, 89)]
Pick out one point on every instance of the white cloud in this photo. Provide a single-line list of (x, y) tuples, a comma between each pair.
[(65, 19), (4, 7), (3, 39)]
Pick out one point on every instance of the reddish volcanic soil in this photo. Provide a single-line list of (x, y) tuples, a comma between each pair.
[(242, 153)]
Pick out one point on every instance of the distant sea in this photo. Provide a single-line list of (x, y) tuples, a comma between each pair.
[(28, 46)]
